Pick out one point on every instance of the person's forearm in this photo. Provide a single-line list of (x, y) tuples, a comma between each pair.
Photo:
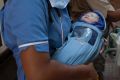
[(39, 66), (58, 71), (65, 72)]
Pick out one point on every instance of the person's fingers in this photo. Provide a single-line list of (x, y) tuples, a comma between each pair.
[(113, 16), (93, 74), (90, 64)]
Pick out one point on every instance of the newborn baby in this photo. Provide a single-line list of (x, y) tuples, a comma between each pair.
[(90, 17), (93, 18), (84, 42)]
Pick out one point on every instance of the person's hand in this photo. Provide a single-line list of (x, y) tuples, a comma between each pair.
[(88, 73), (113, 16), (92, 72)]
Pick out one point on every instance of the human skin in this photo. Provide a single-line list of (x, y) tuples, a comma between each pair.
[(39, 66), (90, 17), (113, 16)]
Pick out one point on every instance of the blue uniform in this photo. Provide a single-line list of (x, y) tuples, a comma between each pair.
[(26, 23)]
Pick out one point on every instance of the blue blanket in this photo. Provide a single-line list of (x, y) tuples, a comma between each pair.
[(84, 46)]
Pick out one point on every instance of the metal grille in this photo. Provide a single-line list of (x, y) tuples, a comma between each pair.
[(112, 71)]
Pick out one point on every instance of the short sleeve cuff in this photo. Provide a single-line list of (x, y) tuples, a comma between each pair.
[(39, 46)]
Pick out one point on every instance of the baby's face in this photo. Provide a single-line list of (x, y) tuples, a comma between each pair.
[(90, 17)]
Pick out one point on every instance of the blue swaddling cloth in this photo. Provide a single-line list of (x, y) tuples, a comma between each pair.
[(83, 45)]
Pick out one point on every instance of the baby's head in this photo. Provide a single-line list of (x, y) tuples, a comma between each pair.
[(90, 17)]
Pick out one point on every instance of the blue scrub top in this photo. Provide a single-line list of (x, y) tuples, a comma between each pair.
[(26, 23)]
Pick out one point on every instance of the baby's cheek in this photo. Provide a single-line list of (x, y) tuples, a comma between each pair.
[(89, 20), (92, 20), (85, 19)]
